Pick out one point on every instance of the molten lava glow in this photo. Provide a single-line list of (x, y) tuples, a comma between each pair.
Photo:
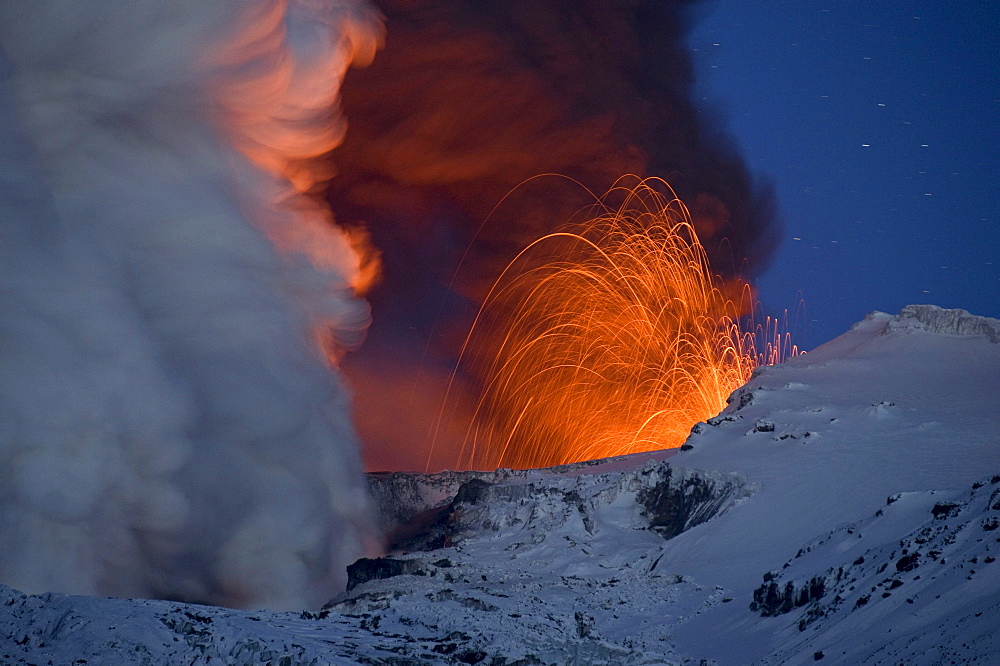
[(609, 337)]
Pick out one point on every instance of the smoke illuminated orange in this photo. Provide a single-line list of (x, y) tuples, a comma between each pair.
[(608, 337), (282, 114)]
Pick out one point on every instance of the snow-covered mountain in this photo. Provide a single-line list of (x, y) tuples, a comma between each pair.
[(844, 507)]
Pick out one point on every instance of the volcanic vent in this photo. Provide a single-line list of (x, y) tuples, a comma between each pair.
[(468, 100)]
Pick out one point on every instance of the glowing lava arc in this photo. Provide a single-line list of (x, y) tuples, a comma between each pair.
[(608, 337)]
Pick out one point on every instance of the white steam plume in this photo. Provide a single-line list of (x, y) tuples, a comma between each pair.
[(168, 427)]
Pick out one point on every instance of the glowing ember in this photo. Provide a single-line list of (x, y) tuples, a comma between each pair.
[(608, 337)]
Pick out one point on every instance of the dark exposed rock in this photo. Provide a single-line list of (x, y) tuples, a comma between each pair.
[(876, 575), (908, 562), (674, 506), (585, 509), (367, 569), (439, 527), (745, 396), (472, 491), (424, 531), (945, 509), (724, 418), (772, 599), (471, 657), (584, 624), (466, 601)]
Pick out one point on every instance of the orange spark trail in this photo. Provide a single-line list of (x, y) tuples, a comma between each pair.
[(608, 337)]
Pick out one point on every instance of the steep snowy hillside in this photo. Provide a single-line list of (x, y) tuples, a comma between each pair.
[(844, 507)]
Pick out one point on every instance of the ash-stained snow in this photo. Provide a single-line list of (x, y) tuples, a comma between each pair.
[(844, 508)]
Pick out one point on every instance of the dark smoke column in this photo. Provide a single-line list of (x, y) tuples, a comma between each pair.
[(466, 101)]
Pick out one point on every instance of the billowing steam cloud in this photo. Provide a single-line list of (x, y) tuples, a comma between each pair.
[(467, 100), (167, 424)]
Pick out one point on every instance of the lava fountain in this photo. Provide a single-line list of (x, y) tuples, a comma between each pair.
[(609, 336)]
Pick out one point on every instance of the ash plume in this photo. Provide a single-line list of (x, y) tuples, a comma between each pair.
[(169, 426), (467, 100)]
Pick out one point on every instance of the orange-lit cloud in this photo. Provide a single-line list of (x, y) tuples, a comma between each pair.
[(466, 101)]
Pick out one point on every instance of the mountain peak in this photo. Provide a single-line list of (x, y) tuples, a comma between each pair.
[(945, 321)]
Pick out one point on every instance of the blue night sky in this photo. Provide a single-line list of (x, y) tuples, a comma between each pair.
[(879, 125)]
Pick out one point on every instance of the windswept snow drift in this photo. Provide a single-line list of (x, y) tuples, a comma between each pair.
[(851, 506)]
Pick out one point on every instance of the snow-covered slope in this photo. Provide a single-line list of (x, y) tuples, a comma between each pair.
[(896, 405), (845, 507)]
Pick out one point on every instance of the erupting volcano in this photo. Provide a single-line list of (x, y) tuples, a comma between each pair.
[(466, 101), (617, 464), (610, 336)]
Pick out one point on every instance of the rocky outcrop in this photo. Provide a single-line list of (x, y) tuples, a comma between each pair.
[(666, 500), (400, 497), (377, 568), (940, 320), (673, 505), (772, 599)]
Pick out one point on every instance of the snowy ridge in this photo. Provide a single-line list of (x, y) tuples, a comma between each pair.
[(844, 507), (933, 319), (425, 511), (400, 496)]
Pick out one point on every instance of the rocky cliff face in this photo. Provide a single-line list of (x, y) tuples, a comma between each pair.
[(933, 319), (425, 512)]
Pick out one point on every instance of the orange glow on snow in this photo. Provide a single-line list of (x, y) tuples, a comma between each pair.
[(608, 337)]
